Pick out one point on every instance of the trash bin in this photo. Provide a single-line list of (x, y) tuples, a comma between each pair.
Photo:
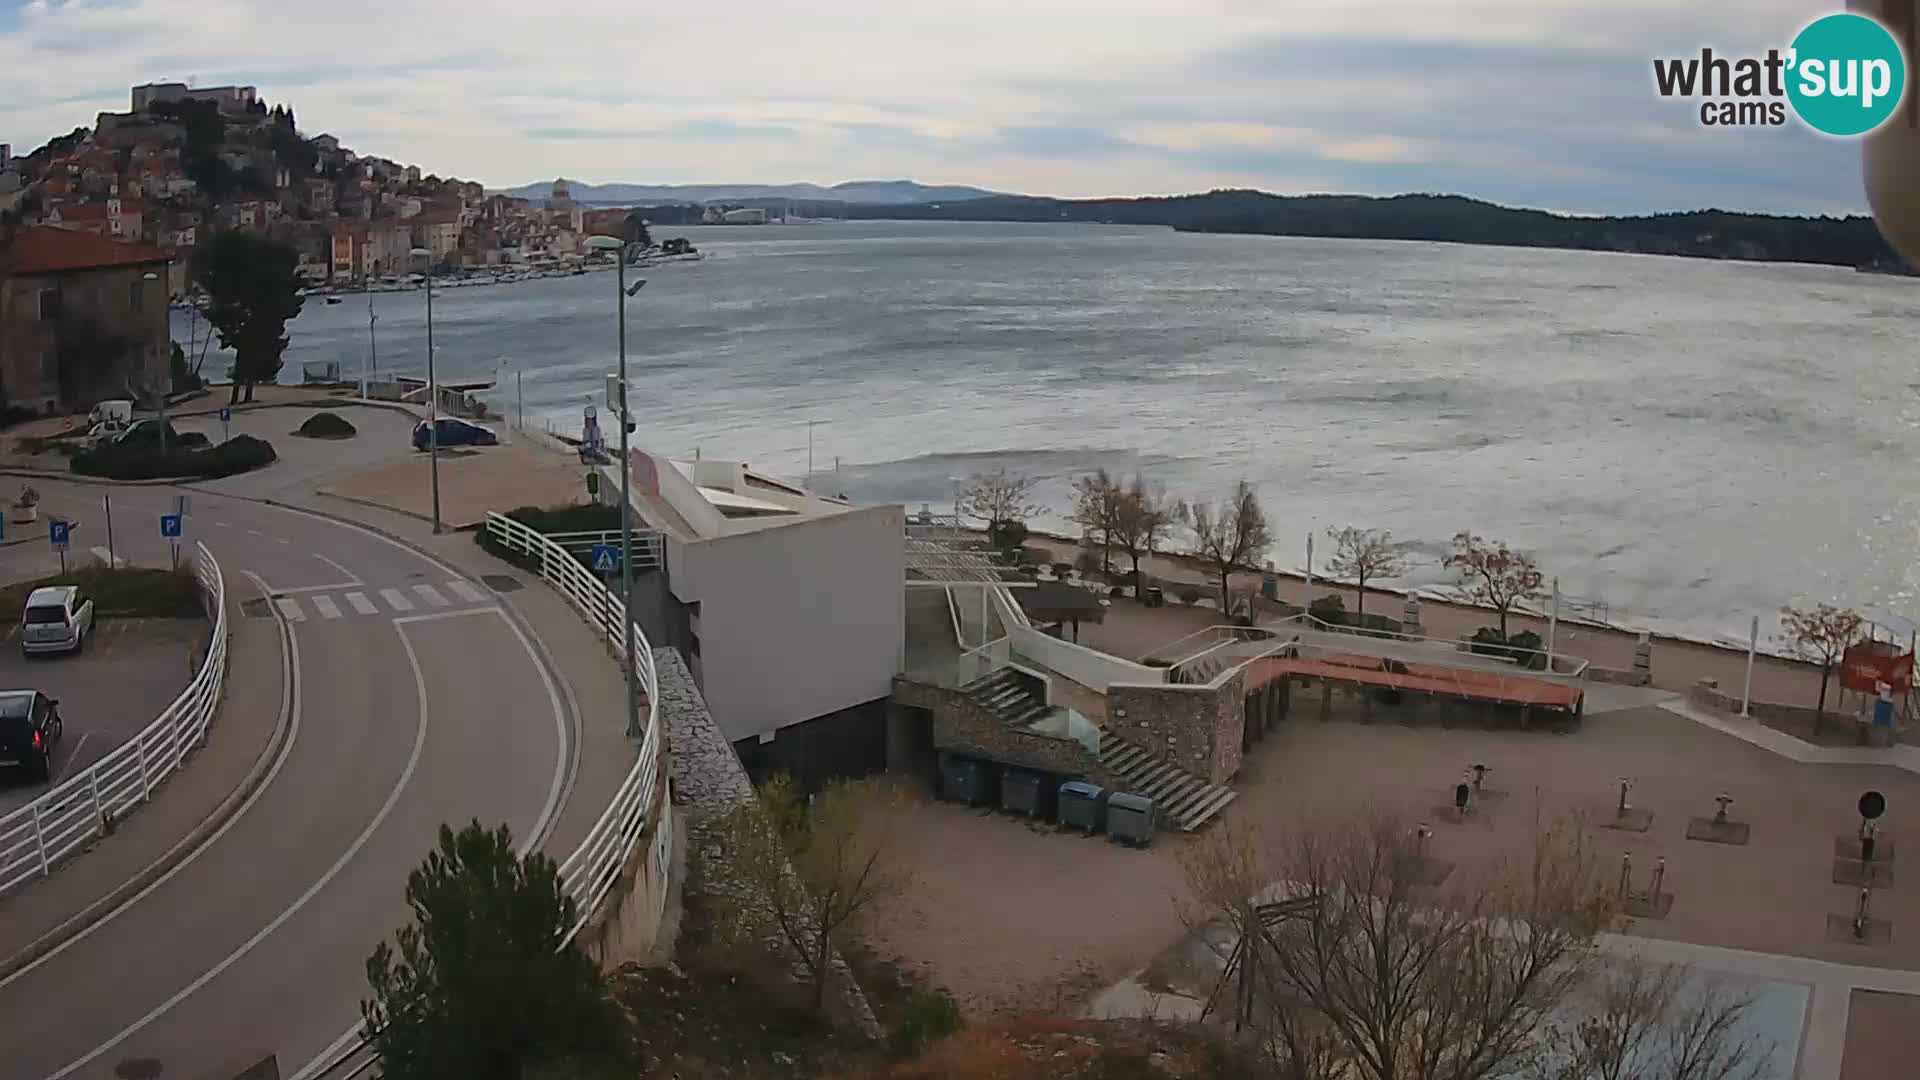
[(1156, 597), (962, 780), (1083, 805), (1020, 792), (1130, 818)]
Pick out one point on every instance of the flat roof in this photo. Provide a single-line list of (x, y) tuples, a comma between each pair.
[(930, 562)]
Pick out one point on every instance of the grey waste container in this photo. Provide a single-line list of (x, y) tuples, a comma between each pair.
[(1130, 818), (1020, 792), (1082, 805), (963, 780)]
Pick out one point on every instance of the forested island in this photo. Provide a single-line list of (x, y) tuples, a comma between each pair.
[(1710, 234)]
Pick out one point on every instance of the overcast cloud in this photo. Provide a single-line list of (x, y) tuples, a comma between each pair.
[(1545, 104)]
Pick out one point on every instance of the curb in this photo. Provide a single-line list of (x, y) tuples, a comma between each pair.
[(94, 913)]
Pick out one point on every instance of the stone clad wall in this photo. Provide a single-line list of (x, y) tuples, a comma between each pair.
[(1198, 728), (960, 724), (708, 782)]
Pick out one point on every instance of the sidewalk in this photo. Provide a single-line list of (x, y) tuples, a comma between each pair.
[(211, 786)]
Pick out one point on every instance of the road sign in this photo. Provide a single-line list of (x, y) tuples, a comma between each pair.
[(58, 532), (170, 526), (226, 424), (226, 415), (606, 558)]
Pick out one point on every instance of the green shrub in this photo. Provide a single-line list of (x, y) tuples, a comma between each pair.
[(1087, 561), (591, 517), (242, 453), (1188, 594), (1007, 535), (926, 1017), (1524, 648), (128, 592), (326, 425), (1329, 609)]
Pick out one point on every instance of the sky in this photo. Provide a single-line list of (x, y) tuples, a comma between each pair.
[(1547, 104)]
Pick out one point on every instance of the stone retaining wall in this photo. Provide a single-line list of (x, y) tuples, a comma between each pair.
[(961, 724), (1199, 728), (708, 783)]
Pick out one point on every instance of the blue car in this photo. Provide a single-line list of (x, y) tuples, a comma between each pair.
[(455, 432)]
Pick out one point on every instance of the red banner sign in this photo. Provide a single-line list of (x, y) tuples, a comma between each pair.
[(1867, 665)]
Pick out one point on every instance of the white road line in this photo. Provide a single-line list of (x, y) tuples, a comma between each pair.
[(282, 540), (220, 524), (353, 849), (361, 604), (459, 614), (289, 715), (290, 608), (466, 591), (335, 587), (73, 755), (352, 579), (396, 599), (255, 532), (431, 595), (328, 609)]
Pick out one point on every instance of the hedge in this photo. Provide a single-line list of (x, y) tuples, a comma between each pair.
[(242, 453), (591, 517), (129, 592), (326, 425)]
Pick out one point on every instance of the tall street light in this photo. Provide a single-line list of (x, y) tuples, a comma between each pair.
[(433, 394), (619, 248)]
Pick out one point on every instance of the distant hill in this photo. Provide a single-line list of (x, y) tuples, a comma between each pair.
[(870, 192), (1713, 234)]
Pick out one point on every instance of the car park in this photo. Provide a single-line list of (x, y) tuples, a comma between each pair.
[(30, 728), (57, 618), (453, 431)]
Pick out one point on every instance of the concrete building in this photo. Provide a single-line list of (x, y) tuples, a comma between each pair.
[(437, 231), (65, 293), (788, 606), (230, 99)]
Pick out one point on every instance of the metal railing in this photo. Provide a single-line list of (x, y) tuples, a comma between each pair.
[(591, 871), (648, 549), (87, 804)]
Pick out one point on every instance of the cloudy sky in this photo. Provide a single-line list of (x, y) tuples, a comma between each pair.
[(1546, 104)]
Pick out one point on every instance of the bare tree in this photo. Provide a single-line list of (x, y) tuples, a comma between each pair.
[(1003, 501), (1494, 574), (1096, 499), (1821, 635), (1364, 555), (1231, 536), (1142, 517), (1642, 1020), (812, 867)]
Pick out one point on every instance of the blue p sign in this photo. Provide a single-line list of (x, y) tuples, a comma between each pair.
[(57, 532), (170, 526)]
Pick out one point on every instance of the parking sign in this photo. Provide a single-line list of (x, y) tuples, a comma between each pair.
[(58, 532), (170, 526)]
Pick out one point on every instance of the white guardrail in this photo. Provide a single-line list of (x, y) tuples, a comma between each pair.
[(85, 805), (591, 871)]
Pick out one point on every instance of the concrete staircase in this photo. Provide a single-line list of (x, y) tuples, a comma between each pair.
[(1011, 695), (1179, 797)]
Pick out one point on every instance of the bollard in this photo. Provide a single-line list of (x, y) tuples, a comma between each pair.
[(1725, 800), (1860, 914), (1621, 809), (1659, 878), (1479, 775), (1626, 875), (1867, 832), (1421, 834), (1462, 795)]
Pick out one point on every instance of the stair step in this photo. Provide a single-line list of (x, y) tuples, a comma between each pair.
[(1184, 800)]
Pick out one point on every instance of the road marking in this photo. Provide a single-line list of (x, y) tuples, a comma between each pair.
[(328, 610), (361, 604), (396, 599), (282, 540), (439, 615), (431, 595), (247, 946), (255, 532), (352, 579), (289, 715), (73, 755), (466, 592), (335, 587), (290, 608), (220, 524), (108, 557), (564, 771)]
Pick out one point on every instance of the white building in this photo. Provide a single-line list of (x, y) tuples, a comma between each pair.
[(788, 605)]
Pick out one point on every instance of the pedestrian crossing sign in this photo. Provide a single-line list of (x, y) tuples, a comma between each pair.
[(606, 558)]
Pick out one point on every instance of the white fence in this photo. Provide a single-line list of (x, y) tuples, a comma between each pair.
[(590, 872), (85, 805)]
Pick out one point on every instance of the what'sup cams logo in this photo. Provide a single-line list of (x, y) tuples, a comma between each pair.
[(1844, 75)]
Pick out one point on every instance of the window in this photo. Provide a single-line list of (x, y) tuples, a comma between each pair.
[(45, 614), (49, 304), (137, 296)]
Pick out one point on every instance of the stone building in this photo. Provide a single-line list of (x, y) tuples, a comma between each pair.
[(81, 317)]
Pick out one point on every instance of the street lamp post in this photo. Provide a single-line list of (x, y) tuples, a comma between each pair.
[(433, 394), (619, 249)]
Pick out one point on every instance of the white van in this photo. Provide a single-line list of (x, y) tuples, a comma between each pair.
[(118, 411)]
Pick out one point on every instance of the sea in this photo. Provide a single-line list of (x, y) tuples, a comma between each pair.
[(1684, 445)]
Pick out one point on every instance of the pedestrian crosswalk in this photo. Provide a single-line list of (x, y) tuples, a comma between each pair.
[(324, 607)]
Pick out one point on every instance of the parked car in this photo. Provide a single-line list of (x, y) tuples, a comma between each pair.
[(57, 619), (146, 433), (30, 727), (454, 431)]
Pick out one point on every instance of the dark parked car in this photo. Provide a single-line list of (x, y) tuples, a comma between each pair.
[(30, 728), (146, 433), (455, 432)]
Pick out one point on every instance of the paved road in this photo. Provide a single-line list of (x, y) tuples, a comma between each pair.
[(415, 702)]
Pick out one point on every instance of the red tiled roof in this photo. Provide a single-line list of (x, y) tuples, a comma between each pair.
[(49, 249)]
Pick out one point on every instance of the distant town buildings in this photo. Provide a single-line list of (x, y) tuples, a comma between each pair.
[(230, 99)]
